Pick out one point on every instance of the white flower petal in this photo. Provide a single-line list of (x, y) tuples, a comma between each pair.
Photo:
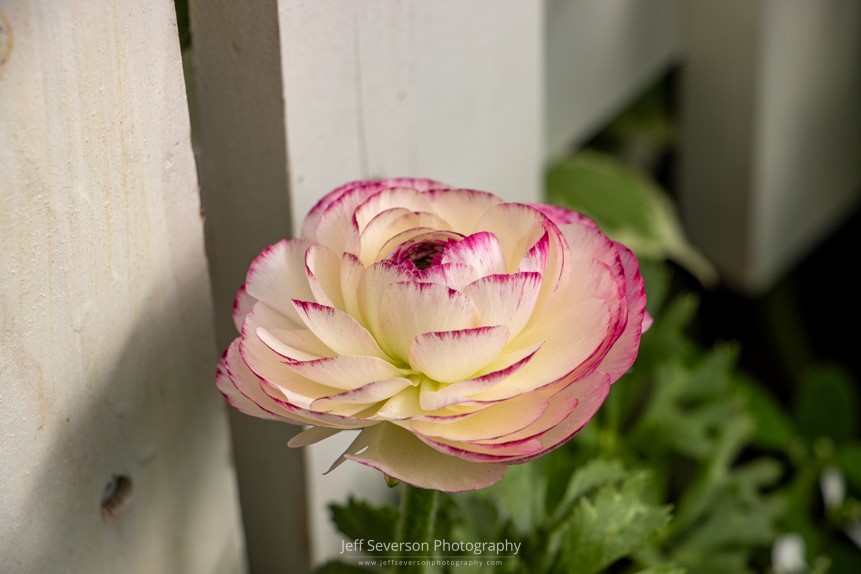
[(453, 275), (482, 251), (346, 372), (242, 304), (323, 268), (295, 344), (451, 356), (590, 394), (336, 223), (377, 240), (398, 197), (266, 317), (351, 273), (267, 365), (278, 275), (410, 309), (484, 382), (571, 341), (337, 330), (369, 393), (312, 435), (238, 400), (514, 224), (624, 350), (373, 283), (462, 208), (250, 391), (401, 455), (506, 299), (497, 420)]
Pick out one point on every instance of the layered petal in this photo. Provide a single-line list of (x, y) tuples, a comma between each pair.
[(451, 356), (624, 351), (410, 309), (481, 251), (461, 333), (399, 454), (278, 275), (337, 330)]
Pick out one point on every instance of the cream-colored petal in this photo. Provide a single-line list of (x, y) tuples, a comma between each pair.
[(395, 223), (346, 372), (571, 341), (506, 299), (399, 454), (352, 271), (410, 309), (498, 420), (295, 344), (373, 283), (239, 401), (249, 386), (336, 223), (277, 276), (337, 330), (453, 275), (266, 317), (242, 305), (268, 366), (462, 208), (481, 251), (312, 435), (398, 197), (452, 356), (367, 394), (323, 268)]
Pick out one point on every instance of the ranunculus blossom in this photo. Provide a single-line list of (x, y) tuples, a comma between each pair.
[(459, 332)]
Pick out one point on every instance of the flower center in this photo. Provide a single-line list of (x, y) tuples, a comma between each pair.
[(424, 254)]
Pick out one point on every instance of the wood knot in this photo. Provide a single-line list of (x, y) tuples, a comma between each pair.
[(115, 499)]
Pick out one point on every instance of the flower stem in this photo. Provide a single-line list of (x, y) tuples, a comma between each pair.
[(416, 524)]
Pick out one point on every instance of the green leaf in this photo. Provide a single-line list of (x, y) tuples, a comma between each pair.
[(849, 458), (656, 278), (336, 567), (596, 473), (522, 492), (616, 524), (774, 428), (360, 520), (628, 206), (663, 569), (827, 405)]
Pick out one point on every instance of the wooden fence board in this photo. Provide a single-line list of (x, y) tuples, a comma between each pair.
[(107, 352)]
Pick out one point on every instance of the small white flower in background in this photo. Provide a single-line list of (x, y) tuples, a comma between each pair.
[(853, 531), (787, 554), (833, 487)]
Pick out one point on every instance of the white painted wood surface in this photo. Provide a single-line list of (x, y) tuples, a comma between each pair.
[(107, 352), (771, 156), (450, 89), (242, 161), (600, 54)]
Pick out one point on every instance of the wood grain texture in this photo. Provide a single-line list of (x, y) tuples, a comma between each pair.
[(242, 161), (107, 352)]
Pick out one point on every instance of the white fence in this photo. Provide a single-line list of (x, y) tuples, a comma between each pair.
[(108, 344)]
